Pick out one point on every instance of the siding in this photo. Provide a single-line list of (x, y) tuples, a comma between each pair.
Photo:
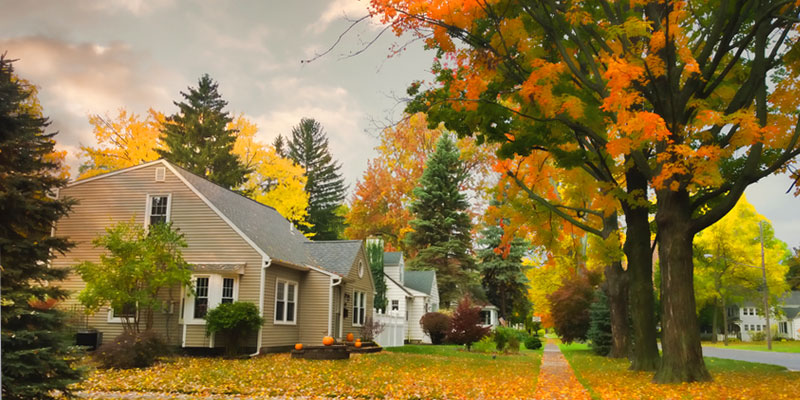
[(362, 284), (123, 196), (313, 310), (416, 309), (276, 335)]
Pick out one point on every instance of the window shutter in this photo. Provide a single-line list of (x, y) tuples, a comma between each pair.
[(161, 174)]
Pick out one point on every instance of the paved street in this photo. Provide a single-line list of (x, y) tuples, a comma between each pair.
[(788, 360)]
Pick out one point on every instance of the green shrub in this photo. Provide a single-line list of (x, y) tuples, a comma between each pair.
[(485, 345), (599, 332), (131, 350), (758, 336), (513, 345), (503, 337), (532, 342), (235, 321)]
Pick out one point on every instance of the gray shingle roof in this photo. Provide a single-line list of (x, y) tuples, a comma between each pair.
[(269, 230), (392, 257), (335, 255), (420, 280), (791, 312)]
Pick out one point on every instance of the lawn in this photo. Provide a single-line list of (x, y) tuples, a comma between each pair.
[(411, 372), (792, 346), (610, 379)]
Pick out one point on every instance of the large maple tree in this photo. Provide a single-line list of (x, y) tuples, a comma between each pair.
[(671, 94)]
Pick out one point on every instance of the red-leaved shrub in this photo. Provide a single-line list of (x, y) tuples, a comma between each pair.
[(465, 326), (570, 309), (436, 325)]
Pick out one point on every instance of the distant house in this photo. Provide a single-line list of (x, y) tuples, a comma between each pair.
[(490, 316), (238, 249), (409, 293), (747, 320)]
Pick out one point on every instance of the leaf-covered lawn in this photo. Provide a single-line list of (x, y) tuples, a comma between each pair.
[(447, 374), (610, 379), (792, 346)]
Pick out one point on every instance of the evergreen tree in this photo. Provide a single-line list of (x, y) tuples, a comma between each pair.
[(36, 353), (441, 225), (375, 259), (325, 186), (502, 272), (198, 139), (280, 146), (599, 332)]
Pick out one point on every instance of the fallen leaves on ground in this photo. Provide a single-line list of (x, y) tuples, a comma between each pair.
[(611, 379), (389, 375)]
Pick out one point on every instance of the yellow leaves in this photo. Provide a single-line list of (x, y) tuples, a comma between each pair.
[(381, 375)]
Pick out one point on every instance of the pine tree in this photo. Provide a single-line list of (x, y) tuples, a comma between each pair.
[(599, 324), (441, 225), (36, 357), (198, 139), (325, 185), (280, 146), (502, 272)]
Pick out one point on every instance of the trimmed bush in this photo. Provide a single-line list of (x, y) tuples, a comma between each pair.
[(234, 320), (130, 350), (532, 342), (436, 325)]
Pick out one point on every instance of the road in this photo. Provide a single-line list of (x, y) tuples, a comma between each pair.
[(788, 360)]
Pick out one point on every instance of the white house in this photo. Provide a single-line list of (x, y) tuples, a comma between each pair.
[(751, 321), (409, 293), (489, 316)]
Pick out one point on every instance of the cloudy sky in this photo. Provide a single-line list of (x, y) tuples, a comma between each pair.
[(93, 57)]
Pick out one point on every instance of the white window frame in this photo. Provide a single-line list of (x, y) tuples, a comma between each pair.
[(214, 296), (149, 206), (395, 308), (359, 308), (115, 320), (285, 300)]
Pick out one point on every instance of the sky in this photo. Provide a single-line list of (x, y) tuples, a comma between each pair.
[(93, 57)]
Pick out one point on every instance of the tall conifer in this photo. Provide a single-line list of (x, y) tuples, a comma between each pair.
[(502, 272), (36, 356), (308, 147), (441, 225), (198, 139)]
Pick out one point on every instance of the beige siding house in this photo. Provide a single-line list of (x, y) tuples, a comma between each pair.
[(239, 250)]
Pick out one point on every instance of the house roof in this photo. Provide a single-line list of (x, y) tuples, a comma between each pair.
[(392, 257), (336, 255), (420, 280), (793, 299), (403, 288), (791, 312), (269, 230)]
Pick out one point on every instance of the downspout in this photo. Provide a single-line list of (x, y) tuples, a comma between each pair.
[(334, 282), (267, 263)]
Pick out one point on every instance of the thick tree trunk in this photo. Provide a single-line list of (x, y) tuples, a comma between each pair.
[(617, 284), (680, 339), (640, 277)]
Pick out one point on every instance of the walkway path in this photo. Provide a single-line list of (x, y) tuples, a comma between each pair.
[(556, 379), (788, 360)]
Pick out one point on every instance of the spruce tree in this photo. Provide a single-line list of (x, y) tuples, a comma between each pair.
[(599, 332), (198, 139), (325, 186), (36, 354), (441, 226), (502, 272), (280, 146)]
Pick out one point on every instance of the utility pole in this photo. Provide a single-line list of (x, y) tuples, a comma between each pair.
[(766, 291)]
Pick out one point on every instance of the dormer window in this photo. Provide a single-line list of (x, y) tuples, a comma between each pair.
[(157, 209)]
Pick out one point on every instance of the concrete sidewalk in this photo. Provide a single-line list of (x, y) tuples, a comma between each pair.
[(556, 379)]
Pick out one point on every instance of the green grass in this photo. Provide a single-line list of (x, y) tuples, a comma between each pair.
[(449, 351), (777, 346)]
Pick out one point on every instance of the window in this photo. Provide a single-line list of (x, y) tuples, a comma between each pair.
[(157, 209), (360, 269), (285, 302), (783, 327), (117, 314), (227, 290), (486, 317), (201, 298), (359, 307), (395, 305)]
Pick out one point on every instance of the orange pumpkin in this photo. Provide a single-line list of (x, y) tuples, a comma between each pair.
[(358, 343), (298, 346), (349, 337), (327, 340)]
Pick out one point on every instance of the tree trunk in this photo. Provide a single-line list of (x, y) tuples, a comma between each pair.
[(680, 339), (714, 327), (724, 323), (617, 284), (640, 277)]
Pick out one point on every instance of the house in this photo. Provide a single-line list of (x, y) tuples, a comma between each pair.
[(409, 293), (490, 316), (238, 249), (748, 321)]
